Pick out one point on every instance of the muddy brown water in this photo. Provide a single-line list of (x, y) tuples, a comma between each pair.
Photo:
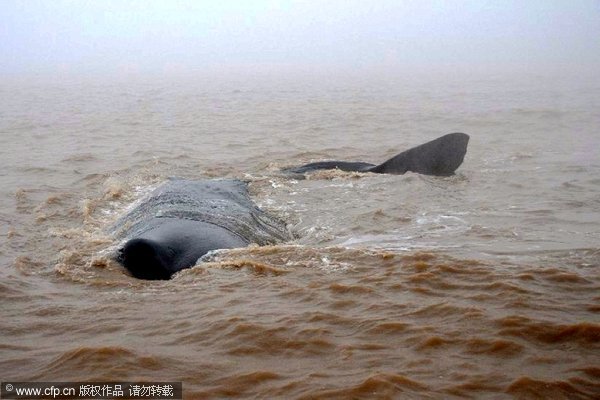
[(481, 285)]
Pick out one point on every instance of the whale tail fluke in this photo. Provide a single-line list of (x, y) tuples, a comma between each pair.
[(441, 157)]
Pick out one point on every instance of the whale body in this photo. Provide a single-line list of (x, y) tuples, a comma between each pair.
[(440, 157), (182, 220)]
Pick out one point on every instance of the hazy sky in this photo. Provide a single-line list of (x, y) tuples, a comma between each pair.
[(173, 36)]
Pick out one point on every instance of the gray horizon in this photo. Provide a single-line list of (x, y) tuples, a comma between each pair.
[(182, 37)]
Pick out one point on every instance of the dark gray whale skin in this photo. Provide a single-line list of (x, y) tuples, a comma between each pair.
[(182, 220), (440, 157)]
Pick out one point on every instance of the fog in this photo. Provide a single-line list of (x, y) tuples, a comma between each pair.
[(180, 37)]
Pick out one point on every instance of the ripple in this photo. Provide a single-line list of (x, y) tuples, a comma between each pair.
[(584, 333)]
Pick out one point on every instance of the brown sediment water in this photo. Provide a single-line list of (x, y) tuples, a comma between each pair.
[(480, 285)]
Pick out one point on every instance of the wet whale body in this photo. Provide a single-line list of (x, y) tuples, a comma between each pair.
[(182, 220), (440, 157)]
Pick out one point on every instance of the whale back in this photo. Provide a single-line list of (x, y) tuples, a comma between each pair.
[(222, 203), (182, 220), (348, 166)]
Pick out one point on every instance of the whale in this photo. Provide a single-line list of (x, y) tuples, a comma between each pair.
[(439, 157), (183, 220)]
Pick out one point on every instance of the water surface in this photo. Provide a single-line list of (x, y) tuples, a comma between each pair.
[(480, 285)]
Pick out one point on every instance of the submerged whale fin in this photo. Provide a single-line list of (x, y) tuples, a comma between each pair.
[(441, 156)]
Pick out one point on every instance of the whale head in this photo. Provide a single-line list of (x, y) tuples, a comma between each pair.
[(146, 259)]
